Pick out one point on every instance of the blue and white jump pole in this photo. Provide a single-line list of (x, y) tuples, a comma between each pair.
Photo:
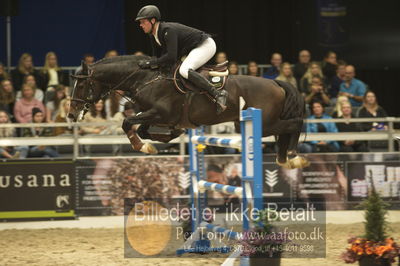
[(250, 192)]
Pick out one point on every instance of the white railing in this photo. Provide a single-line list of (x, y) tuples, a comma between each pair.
[(75, 139)]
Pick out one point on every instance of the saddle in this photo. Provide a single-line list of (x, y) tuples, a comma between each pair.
[(215, 74)]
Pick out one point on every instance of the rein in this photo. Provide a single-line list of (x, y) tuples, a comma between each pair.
[(89, 99)]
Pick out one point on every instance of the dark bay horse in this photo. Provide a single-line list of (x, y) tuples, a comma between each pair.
[(162, 105)]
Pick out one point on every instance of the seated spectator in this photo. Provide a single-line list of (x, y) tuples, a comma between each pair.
[(11, 152), (115, 103), (23, 107), (337, 80), (3, 73), (371, 109), (138, 53), (319, 146), (337, 111), (111, 53), (31, 81), (220, 58), (300, 68), (53, 104), (252, 69), (286, 74), (317, 92), (97, 114), (350, 145), (7, 96), (52, 74), (273, 71), (314, 70), (353, 88), (129, 110), (24, 68), (88, 59), (41, 150), (329, 66), (61, 117), (233, 68)]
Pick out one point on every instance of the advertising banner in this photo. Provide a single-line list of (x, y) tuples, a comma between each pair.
[(385, 176), (37, 189)]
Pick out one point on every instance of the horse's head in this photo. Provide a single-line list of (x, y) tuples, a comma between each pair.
[(86, 92)]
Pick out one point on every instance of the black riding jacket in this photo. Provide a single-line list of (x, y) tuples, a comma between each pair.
[(176, 41)]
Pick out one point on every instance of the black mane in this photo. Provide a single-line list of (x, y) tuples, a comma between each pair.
[(120, 59)]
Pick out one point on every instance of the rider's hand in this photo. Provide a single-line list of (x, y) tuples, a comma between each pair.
[(145, 64)]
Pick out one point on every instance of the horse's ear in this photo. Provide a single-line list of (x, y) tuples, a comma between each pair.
[(85, 69)]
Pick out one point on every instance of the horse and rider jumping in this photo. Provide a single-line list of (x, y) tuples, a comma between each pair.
[(161, 104)]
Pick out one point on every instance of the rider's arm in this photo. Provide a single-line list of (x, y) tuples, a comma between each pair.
[(171, 40)]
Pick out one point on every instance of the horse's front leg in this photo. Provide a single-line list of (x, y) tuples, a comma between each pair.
[(130, 128)]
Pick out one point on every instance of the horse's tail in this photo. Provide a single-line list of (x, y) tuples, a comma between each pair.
[(294, 102)]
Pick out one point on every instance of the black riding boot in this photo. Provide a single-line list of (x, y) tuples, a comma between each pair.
[(203, 83)]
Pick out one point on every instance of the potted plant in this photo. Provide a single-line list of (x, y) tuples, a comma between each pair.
[(263, 244), (374, 248)]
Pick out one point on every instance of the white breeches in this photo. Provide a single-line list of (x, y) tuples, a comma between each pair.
[(198, 57)]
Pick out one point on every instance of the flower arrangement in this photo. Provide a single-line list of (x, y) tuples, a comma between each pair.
[(359, 247), (374, 244)]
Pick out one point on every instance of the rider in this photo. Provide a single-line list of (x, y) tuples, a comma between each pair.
[(176, 40)]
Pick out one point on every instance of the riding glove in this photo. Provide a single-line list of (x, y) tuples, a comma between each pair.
[(146, 64)]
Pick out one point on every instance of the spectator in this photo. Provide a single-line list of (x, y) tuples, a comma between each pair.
[(41, 150), (220, 57), (52, 74), (337, 111), (317, 92), (111, 53), (301, 67), (53, 105), (23, 107), (273, 71), (24, 68), (233, 68), (10, 152), (115, 103), (97, 114), (7, 96), (88, 59), (337, 80), (350, 145), (286, 74), (138, 53), (119, 118), (62, 118), (314, 70), (252, 69), (31, 81), (371, 109), (3, 73), (329, 66), (319, 146), (129, 110), (353, 88)]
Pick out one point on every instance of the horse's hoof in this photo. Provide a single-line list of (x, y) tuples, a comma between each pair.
[(148, 148), (286, 164), (299, 162)]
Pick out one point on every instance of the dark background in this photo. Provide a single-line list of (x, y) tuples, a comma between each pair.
[(369, 34)]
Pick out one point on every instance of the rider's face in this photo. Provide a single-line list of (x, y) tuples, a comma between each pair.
[(145, 24)]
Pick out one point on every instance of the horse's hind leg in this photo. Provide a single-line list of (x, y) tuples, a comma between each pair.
[(295, 160), (283, 146)]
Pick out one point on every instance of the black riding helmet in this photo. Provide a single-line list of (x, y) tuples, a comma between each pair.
[(148, 12)]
